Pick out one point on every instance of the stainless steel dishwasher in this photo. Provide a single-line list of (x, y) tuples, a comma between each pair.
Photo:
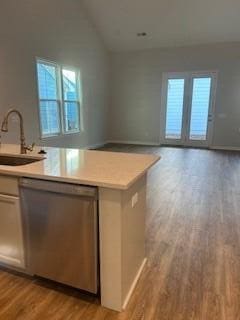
[(61, 227)]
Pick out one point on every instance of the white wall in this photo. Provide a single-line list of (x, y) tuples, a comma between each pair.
[(57, 30), (136, 90)]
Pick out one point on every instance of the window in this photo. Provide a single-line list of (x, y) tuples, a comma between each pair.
[(59, 106), (70, 100)]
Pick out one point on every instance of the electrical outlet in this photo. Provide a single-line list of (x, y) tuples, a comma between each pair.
[(134, 199)]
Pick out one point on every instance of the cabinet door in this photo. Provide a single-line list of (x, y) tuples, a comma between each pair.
[(11, 234)]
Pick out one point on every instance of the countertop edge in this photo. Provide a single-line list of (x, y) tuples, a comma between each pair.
[(47, 170)]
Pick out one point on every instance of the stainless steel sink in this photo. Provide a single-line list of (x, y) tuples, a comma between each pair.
[(16, 161)]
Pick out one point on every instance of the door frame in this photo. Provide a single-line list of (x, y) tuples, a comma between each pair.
[(187, 105)]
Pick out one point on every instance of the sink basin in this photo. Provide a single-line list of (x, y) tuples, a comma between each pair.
[(16, 161)]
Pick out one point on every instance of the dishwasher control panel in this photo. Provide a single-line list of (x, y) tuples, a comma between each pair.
[(59, 187)]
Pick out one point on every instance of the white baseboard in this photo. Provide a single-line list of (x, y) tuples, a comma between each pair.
[(95, 146), (224, 148), (130, 292), (135, 142)]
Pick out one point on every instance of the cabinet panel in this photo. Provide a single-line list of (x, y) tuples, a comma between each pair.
[(9, 185), (11, 234)]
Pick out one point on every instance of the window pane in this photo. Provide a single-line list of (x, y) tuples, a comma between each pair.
[(175, 97), (69, 85), (49, 117), (71, 112), (47, 81), (200, 105)]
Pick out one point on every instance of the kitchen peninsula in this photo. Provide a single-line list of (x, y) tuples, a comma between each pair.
[(120, 181)]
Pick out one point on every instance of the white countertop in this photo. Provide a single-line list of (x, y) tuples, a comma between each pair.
[(89, 167)]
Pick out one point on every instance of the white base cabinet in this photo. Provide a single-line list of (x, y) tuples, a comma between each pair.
[(11, 231)]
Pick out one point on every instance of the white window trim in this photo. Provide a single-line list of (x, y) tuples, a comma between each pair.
[(63, 101), (60, 100)]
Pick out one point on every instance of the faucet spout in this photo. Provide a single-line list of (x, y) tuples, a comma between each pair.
[(4, 128)]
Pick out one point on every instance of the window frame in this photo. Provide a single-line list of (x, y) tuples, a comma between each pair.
[(60, 99), (63, 101)]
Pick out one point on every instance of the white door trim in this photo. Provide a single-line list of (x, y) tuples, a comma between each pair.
[(188, 76)]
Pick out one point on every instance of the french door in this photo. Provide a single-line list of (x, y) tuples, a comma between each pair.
[(188, 103)]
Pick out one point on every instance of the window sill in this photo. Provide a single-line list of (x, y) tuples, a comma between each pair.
[(61, 135)]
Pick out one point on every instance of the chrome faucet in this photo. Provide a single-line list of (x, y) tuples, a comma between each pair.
[(4, 128)]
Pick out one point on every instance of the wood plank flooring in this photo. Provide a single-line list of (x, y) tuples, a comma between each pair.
[(193, 249)]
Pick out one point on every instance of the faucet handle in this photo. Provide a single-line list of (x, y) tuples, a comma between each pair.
[(30, 147)]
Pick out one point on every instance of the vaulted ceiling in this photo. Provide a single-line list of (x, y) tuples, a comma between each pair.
[(166, 22)]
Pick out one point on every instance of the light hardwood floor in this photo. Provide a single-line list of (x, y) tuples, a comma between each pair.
[(193, 249)]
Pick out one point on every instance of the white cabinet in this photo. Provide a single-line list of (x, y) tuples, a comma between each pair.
[(11, 234)]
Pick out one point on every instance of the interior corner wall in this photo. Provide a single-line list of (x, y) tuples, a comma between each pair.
[(136, 81), (60, 31)]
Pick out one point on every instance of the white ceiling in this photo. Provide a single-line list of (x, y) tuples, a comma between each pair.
[(166, 22)]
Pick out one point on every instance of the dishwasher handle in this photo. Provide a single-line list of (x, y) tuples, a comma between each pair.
[(59, 187)]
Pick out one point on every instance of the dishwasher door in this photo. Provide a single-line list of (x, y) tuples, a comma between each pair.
[(62, 232)]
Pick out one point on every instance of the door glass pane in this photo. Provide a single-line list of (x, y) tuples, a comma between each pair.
[(200, 108), (175, 98)]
